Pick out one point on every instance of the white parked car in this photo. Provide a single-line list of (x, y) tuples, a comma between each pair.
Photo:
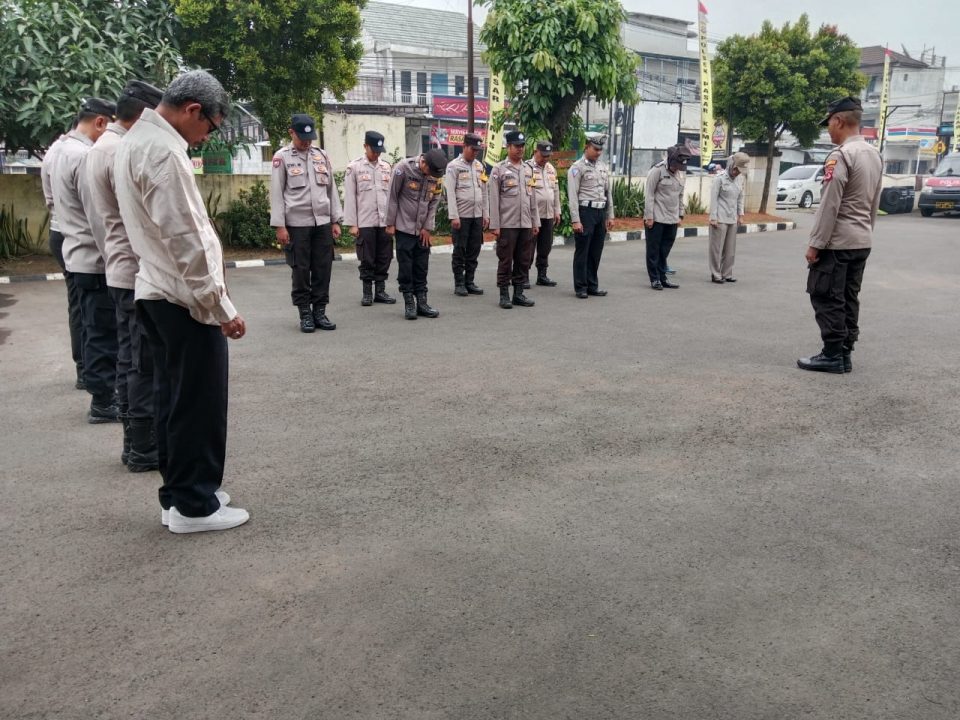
[(800, 186)]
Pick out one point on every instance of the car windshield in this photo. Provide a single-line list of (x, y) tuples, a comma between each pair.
[(948, 166), (798, 173)]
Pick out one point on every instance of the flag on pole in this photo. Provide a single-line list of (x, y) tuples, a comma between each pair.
[(495, 104), (706, 91), (884, 98)]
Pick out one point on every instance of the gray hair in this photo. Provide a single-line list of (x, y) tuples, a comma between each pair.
[(201, 87)]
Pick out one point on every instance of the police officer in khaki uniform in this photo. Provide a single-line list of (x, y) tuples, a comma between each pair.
[(663, 212), (547, 189), (841, 236), (726, 215), (83, 260), (469, 210), (305, 210), (591, 213), (514, 220), (411, 213), (366, 185)]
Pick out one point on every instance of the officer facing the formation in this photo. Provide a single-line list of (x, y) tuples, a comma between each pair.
[(663, 212), (591, 213), (469, 209), (841, 236), (305, 210), (411, 213), (83, 260), (366, 187), (514, 220), (134, 362), (547, 190)]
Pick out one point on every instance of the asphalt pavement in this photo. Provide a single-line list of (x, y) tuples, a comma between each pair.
[(628, 507)]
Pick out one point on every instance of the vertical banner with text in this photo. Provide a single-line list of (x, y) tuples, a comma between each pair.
[(884, 98), (494, 138), (706, 91), (956, 127)]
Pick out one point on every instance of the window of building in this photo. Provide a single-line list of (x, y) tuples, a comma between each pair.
[(438, 81), (421, 88), (460, 87), (404, 86), (486, 87), (906, 76)]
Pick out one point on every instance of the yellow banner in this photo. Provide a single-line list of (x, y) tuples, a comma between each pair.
[(494, 138), (706, 92), (956, 127), (884, 99)]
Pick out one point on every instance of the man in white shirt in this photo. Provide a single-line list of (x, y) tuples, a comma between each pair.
[(182, 298)]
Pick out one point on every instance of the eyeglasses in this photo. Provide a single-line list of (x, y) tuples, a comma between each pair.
[(214, 128)]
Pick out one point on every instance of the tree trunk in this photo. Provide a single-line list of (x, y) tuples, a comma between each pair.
[(771, 147), (558, 124)]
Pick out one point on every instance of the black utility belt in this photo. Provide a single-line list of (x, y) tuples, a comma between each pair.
[(595, 204)]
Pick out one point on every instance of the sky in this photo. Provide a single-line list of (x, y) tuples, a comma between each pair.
[(916, 24)]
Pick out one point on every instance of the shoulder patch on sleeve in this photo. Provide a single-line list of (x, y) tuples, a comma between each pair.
[(398, 171), (574, 171), (348, 171), (277, 162), (828, 168)]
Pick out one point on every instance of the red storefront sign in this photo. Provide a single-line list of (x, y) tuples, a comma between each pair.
[(869, 133), (450, 135), (454, 107)]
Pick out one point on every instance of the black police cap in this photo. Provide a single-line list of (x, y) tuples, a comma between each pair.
[(142, 91), (597, 141), (374, 140), (436, 161), (515, 137), (304, 126), (472, 140), (545, 147), (98, 106), (841, 105)]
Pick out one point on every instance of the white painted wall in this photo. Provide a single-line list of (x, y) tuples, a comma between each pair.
[(343, 135)]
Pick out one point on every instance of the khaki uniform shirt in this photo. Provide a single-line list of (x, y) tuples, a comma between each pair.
[(413, 198), (103, 212), (366, 186), (546, 188), (466, 188), (80, 253), (588, 182), (664, 195), (852, 183), (513, 203), (726, 198), (181, 260), (302, 189), (46, 179)]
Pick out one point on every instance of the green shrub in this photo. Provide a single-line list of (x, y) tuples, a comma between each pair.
[(246, 222), (15, 237), (694, 206), (628, 199)]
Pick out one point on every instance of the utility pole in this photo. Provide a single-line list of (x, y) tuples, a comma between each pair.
[(470, 93), (890, 111)]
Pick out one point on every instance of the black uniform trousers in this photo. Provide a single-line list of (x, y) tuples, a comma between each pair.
[(99, 318), (310, 257), (191, 367), (375, 252), (134, 360), (834, 285), (544, 243), (413, 263), (73, 303), (589, 248), (515, 248), (660, 239), (467, 242)]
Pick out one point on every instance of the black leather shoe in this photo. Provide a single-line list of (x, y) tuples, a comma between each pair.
[(367, 299), (306, 320), (505, 298), (597, 293), (543, 280), (582, 294), (143, 446), (847, 361), (668, 284), (423, 307), (729, 279), (320, 318), (103, 412), (822, 363), (409, 306), (520, 299), (380, 296), (473, 289), (656, 285), (717, 280), (460, 289)]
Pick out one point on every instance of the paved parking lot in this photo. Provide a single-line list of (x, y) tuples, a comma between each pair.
[(627, 507)]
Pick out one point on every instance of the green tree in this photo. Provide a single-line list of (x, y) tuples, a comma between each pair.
[(56, 52), (280, 54), (782, 80), (554, 53)]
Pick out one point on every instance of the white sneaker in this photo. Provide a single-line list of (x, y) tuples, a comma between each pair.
[(222, 496), (223, 519)]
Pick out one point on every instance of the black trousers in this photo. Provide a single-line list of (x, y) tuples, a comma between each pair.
[(191, 372), (544, 243), (375, 252), (413, 263), (467, 242), (660, 239), (134, 359), (73, 303), (99, 318), (834, 285), (515, 248), (310, 257), (589, 248)]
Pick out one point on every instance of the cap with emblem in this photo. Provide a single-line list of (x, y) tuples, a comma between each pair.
[(472, 140), (374, 140), (304, 126), (98, 106), (841, 105), (142, 91), (545, 148), (436, 161), (514, 137), (597, 141)]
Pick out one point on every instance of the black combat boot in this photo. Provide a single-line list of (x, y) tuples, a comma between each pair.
[(542, 278), (423, 307), (519, 298), (367, 299), (320, 318), (143, 446), (459, 288), (125, 453), (409, 306), (103, 410), (847, 359), (381, 295), (526, 283), (505, 298), (472, 289), (822, 363), (306, 319)]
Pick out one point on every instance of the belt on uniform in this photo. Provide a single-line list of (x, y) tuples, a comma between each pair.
[(596, 204)]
